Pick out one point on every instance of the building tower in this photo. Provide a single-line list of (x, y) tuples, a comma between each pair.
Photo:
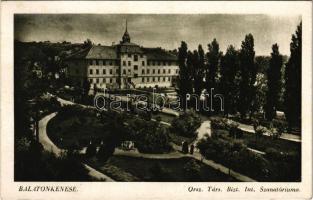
[(126, 37)]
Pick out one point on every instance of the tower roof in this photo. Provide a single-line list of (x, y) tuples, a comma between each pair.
[(126, 37)]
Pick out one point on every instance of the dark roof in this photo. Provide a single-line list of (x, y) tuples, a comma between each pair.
[(159, 54), (111, 52), (102, 52)]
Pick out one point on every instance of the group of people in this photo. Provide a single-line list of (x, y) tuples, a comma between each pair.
[(186, 149)]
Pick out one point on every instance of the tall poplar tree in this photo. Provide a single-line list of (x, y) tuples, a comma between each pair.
[(292, 96), (273, 83), (248, 76), (213, 58), (228, 85), (184, 79)]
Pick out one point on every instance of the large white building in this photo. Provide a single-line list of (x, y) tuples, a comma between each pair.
[(125, 65)]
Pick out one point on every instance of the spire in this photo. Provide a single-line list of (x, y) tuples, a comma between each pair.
[(126, 37)]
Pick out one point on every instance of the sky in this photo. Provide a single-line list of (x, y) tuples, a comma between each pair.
[(160, 30)]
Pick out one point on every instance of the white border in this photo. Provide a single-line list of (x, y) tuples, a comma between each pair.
[(145, 190)]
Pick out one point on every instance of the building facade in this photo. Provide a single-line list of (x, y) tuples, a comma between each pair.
[(125, 65)]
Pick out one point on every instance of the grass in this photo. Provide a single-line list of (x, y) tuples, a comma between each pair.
[(76, 131), (124, 168)]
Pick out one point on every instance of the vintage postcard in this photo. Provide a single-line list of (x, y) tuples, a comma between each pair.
[(156, 100)]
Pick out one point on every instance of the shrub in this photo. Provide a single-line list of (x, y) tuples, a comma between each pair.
[(91, 150), (260, 131), (186, 124), (219, 123), (280, 125), (234, 131), (274, 133)]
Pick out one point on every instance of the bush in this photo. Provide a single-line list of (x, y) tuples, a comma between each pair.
[(274, 133), (91, 150), (219, 123), (234, 131), (186, 124), (260, 131)]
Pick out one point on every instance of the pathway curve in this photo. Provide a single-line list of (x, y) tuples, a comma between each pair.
[(49, 146), (285, 136), (196, 155)]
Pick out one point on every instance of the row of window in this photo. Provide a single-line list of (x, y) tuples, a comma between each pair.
[(103, 62), (143, 80), (97, 71), (129, 63), (154, 79)]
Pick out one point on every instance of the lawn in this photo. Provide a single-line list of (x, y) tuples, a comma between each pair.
[(76, 131), (124, 168)]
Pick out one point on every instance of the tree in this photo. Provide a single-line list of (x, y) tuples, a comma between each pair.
[(292, 96), (248, 76), (273, 83), (199, 70), (184, 80), (213, 59), (228, 85), (192, 170), (186, 124)]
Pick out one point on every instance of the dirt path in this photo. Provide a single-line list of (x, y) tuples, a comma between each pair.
[(49, 146)]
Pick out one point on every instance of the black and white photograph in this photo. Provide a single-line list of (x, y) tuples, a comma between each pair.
[(157, 97), (194, 98)]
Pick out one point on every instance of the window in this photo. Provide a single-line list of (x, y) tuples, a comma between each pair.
[(90, 80), (159, 63), (169, 78), (143, 71), (97, 80), (110, 63), (164, 79), (159, 71), (153, 71), (93, 62), (97, 62), (97, 71), (129, 71), (135, 67), (111, 71), (129, 55), (117, 71), (153, 79), (164, 71), (169, 71), (124, 63), (124, 71), (129, 63), (143, 63), (100, 62), (104, 71), (135, 75), (148, 71), (110, 80), (90, 71), (135, 57), (158, 78), (148, 79), (176, 71), (143, 79), (104, 63), (90, 62), (148, 63), (153, 63)]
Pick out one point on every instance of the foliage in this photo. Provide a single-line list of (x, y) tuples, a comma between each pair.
[(260, 131), (149, 136), (219, 123), (229, 82), (233, 154), (248, 76), (273, 83), (186, 124), (159, 173), (292, 95), (213, 58), (184, 74)]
